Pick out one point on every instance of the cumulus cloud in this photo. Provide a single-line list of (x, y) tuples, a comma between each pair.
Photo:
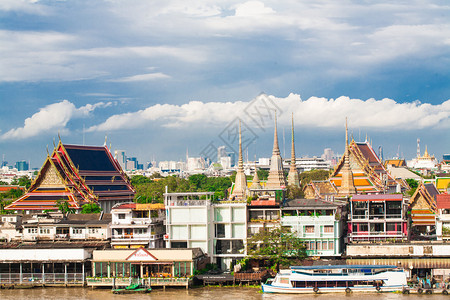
[(51, 117), (385, 114)]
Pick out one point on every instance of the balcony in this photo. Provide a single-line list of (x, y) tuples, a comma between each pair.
[(135, 237)]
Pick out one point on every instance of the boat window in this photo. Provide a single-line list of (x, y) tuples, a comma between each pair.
[(284, 280)]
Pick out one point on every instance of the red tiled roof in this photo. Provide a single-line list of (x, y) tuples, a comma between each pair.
[(443, 201), (382, 197), (126, 206)]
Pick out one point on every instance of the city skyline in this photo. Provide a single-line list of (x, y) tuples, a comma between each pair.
[(157, 78)]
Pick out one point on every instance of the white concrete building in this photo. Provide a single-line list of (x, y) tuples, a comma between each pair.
[(135, 225), (318, 223), (43, 227), (219, 229)]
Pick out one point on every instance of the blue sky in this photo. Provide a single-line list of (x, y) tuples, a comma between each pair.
[(161, 77)]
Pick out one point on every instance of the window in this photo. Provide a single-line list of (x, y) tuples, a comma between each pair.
[(140, 230), (220, 230), (324, 245), (121, 216), (178, 245), (363, 227), (93, 230), (78, 230), (309, 229), (328, 229), (330, 245), (44, 230), (32, 230)]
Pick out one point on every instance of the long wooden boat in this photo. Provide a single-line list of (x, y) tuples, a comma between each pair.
[(337, 278)]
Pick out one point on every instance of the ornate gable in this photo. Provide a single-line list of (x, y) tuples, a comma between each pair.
[(50, 177)]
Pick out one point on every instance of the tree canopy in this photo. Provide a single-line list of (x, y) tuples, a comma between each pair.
[(22, 181), (150, 189), (279, 245), (91, 208)]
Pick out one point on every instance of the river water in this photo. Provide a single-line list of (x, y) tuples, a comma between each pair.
[(203, 293)]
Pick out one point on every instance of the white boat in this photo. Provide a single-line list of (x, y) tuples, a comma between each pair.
[(337, 278)]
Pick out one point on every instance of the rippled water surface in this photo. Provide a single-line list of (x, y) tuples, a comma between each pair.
[(214, 293)]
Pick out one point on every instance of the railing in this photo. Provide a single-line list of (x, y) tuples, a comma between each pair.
[(136, 237), (39, 278), (374, 217), (256, 276), (188, 202), (123, 281)]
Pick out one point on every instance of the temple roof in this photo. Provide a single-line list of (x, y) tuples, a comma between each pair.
[(78, 175), (368, 171), (310, 203)]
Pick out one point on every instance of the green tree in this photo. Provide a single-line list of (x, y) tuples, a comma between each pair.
[(139, 179), (263, 174), (3, 182), (91, 208), (413, 184), (294, 192), (11, 194), (64, 207), (314, 175), (279, 245), (22, 181)]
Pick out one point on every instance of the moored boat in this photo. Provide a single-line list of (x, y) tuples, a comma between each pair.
[(337, 278)]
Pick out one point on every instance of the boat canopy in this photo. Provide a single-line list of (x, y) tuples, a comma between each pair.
[(328, 267)]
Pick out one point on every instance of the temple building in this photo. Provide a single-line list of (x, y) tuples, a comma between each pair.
[(426, 161), (423, 208), (293, 177), (276, 179), (77, 175), (367, 172), (358, 171)]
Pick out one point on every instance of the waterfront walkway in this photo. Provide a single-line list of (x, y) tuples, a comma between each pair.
[(115, 282)]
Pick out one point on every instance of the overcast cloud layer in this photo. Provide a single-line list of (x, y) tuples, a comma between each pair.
[(115, 67)]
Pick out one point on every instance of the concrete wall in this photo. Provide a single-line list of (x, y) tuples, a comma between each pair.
[(50, 255), (403, 250)]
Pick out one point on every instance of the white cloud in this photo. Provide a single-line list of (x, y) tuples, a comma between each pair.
[(50, 118), (27, 6), (43, 56), (142, 77), (385, 114)]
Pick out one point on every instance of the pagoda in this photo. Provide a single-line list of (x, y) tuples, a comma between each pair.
[(293, 177), (239, 191), (276, 179), (347, 186), (78, 175)]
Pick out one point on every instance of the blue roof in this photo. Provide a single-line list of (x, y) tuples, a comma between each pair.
[(343, 267)]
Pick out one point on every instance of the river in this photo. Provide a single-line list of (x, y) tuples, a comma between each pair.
[(214, 293)]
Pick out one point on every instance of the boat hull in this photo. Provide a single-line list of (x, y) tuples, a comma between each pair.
[(268, 288)]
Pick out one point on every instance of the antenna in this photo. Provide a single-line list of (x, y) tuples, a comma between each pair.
[(418, 147)]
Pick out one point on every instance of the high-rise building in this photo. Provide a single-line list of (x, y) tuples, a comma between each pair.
[(221, 152), (121, 158), (22, 165)]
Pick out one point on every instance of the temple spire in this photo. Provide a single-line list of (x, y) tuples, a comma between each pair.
[(293, 177), (240, 185), (347, 185), (255, 183), (276, 148), (276, 179)]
